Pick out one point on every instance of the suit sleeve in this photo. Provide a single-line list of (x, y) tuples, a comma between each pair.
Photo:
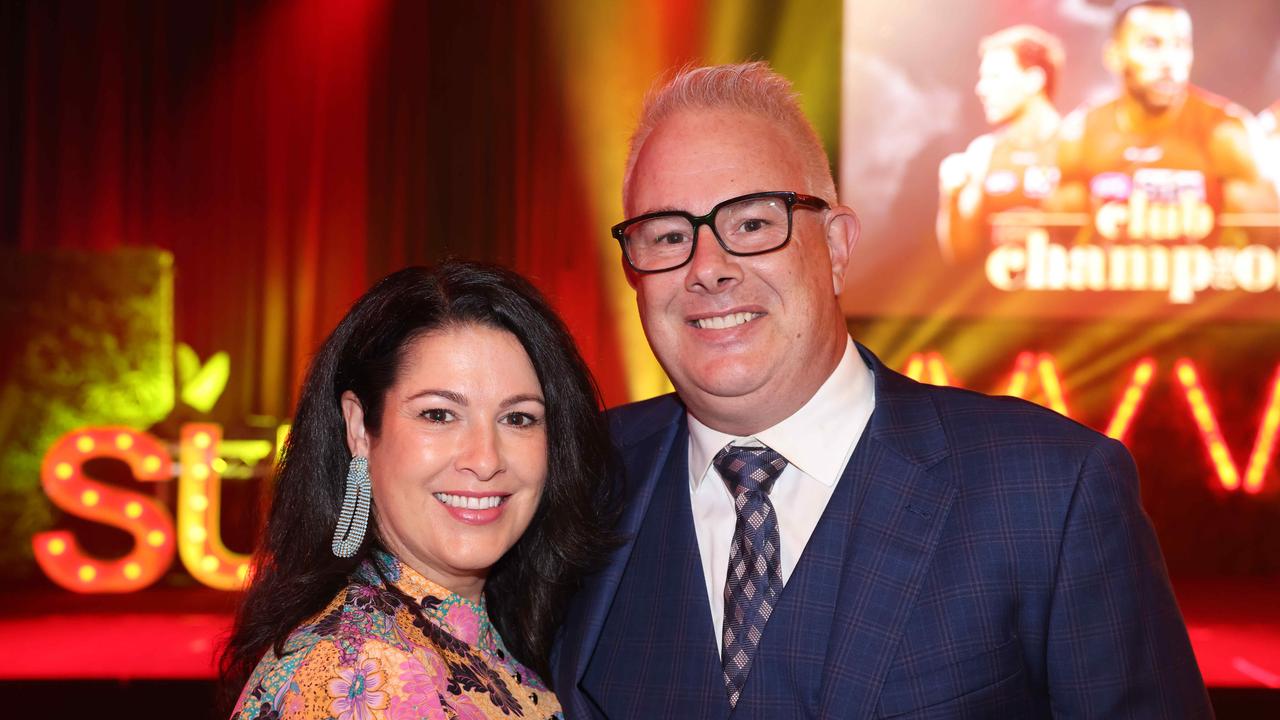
[(1117, 645)]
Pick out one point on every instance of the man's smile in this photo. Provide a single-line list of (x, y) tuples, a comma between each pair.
[(725, 321)]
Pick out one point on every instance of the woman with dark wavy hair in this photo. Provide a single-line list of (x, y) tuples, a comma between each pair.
[(440, 495)]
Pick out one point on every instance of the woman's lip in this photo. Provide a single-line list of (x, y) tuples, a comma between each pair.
[(474, 493), (475, 517)]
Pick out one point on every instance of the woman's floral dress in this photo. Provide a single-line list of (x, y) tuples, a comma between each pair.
[(367, 655)]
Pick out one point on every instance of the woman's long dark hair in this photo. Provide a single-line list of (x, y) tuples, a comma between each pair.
[(295, 573)]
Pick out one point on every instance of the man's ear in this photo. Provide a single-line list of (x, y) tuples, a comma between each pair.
[(353, 416), (1041, 78), (633, 277), (843, 231)]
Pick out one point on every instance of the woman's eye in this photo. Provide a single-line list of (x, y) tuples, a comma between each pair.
[(437, 415), (519, 419)]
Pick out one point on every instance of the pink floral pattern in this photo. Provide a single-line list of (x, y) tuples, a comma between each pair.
[(422, 690), (464, 622), (355, 692)]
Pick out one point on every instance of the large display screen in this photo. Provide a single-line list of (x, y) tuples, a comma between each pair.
[(1063, 159)]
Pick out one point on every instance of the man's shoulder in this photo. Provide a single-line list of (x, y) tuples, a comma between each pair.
[(981, 147), (1213, 108), (973, 420), (633, 422), (1099, 114)]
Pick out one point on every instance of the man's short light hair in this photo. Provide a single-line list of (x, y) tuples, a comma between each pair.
[(1124, 7), (747, 87)]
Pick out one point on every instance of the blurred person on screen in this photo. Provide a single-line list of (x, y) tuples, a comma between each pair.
[(1162, 144), (808, 533), (435, 505), (1015, 165)]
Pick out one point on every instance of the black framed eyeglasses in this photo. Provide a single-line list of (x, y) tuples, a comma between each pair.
[(746, 225)]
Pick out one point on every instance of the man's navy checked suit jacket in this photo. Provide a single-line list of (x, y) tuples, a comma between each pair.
[(981, 558)]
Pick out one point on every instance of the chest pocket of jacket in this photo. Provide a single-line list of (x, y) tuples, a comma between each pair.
[(902, 695)]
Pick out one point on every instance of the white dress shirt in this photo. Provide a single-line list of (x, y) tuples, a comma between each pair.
[(817, 441)]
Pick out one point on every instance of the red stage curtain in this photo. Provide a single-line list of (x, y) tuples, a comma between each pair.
[(289, 153)]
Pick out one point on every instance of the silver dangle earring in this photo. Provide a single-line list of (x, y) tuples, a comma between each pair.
[(354, 518)]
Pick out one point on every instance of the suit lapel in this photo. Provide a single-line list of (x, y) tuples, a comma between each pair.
[(658, 632), (792, 657), (897, 515), (643, 463)]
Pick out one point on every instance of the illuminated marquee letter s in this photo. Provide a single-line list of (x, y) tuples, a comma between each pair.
[(57, 551)]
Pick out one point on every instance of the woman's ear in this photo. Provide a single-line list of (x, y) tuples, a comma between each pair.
[(353, 415)]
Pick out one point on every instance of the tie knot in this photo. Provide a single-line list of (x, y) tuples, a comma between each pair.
[(745, 469)]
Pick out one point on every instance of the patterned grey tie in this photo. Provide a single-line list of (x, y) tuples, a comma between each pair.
[(754, 582)]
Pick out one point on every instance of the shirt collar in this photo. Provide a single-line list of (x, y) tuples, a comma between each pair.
[(809, 438)]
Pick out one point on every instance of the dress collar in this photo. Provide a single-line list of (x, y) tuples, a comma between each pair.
[(466, 620)]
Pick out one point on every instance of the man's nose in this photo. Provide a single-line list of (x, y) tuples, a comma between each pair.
[(711, 270)]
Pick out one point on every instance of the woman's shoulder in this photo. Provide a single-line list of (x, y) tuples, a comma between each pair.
[(325, 681), (351, 644)]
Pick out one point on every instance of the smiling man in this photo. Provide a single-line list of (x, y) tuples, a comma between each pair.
[(810, 534)]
